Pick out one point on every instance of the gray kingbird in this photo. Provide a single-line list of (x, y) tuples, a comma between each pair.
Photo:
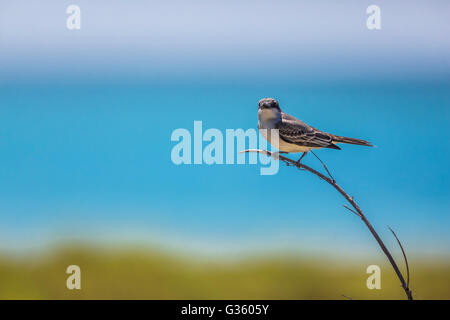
[(294, 135)]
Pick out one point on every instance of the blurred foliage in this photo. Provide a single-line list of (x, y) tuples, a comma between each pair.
[(150, 274)]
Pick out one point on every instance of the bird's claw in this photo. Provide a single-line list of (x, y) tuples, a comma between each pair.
[(276, 155)]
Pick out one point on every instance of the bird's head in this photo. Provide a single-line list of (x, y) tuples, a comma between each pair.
[(268, 111), (268, 103)]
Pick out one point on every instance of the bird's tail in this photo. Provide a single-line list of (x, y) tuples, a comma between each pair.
[(359, 142)]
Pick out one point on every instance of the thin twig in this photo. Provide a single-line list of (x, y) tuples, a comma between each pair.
[(404, 256), (348, 208), (326, 169), (354, 205)]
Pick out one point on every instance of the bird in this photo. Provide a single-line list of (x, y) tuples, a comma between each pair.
[(295, 136)]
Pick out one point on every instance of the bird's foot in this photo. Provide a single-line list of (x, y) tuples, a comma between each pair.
[(300, 160), (276, 155)]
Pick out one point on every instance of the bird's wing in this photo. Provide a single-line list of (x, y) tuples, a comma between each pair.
[(297, 132)]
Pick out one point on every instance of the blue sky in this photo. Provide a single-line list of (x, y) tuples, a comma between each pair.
[(169, 39), (86, 118)]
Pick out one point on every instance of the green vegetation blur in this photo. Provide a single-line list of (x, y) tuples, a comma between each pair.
[(132, 273)]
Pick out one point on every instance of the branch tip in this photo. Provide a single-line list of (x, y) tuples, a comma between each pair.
[(404, 257)]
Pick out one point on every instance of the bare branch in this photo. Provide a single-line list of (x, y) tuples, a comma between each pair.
[(355, 206), (404, 256)]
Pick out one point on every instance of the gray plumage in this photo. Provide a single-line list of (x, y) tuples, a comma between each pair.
[(297, 132)]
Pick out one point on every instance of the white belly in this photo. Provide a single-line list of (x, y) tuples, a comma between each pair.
[(283, 145)]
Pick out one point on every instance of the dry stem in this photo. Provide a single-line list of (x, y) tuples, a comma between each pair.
[(356, 210)]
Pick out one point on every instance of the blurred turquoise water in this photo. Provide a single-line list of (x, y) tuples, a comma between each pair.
[(93, 161)]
